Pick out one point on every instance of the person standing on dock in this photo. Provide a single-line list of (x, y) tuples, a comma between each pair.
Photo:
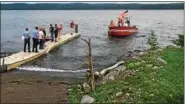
[(72, 26), (26, 36), (44, 31), (56, 32), (59, 31), (51, 30), (35, 39), (41, 39)]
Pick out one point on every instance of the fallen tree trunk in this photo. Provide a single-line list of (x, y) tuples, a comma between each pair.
[(105, 71)]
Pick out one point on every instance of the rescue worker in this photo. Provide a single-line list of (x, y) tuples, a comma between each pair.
[(120, 21), (112, 24), (122, 18)]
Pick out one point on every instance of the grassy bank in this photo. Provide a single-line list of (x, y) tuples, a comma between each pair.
[(153, 82)]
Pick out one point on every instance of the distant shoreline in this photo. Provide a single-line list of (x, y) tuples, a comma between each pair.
[(89, 9), (86, 6)]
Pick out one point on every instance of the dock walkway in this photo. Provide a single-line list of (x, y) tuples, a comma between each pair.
[(17, 59)]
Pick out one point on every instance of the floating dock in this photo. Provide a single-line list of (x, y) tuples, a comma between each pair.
[(20, 58)]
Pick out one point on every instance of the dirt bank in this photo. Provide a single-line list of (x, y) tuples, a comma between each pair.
[(31, 88)]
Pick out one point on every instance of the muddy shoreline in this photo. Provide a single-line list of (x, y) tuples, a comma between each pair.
[(19, 87), (38, 87)]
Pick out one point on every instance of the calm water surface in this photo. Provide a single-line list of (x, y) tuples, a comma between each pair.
[(94, 24)]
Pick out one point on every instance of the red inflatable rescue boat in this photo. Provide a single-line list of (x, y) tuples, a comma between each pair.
[(122, 31)]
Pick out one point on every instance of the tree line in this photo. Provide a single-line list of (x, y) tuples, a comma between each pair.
[(86, 6)]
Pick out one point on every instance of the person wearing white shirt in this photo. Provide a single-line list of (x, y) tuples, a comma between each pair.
[(26, 38), (41, 39)]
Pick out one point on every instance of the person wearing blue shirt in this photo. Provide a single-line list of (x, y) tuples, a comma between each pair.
[(26, 35), (35, 37)]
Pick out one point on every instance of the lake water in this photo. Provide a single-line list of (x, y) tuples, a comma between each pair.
[(93, 24)]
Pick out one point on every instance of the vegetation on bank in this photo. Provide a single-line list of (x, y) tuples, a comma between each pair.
[(180, 40), (153, 81)]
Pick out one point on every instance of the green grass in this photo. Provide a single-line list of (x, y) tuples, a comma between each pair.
[(161, 85)]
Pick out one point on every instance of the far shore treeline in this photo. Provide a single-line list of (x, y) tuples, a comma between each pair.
[(87, 6)]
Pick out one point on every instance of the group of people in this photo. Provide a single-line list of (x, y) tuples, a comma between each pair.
[(39, 36), (55, 31), (123, 20)]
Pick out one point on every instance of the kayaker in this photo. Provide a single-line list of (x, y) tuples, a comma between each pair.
[(26, 37), (51, 30), (56, 32), (35, 39), (41, 39), (112, 24), (72, 25)]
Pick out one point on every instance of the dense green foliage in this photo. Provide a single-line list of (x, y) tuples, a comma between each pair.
[(152, 41), (86, 6), (180, 40), (162, 84)]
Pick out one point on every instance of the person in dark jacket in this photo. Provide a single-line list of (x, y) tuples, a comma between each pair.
[(51, 30), (26, 35), (44, 31), (56, 32)]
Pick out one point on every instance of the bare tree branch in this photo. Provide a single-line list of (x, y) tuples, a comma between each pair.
[(90, 64), (85, 40)]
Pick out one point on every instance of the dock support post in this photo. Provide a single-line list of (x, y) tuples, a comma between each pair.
[(76, 28), (3, 67)]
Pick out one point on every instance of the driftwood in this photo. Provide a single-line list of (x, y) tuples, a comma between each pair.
[(90, 64), (105, 71)]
